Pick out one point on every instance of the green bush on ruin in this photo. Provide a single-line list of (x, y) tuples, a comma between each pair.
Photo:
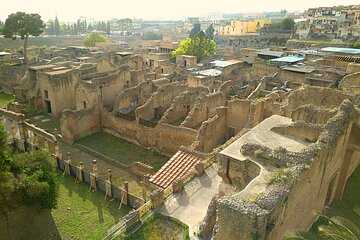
[(281, 176)]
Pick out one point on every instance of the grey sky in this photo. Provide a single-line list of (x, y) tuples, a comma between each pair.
[(154, 9)]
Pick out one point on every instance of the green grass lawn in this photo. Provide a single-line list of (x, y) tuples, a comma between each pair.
[(5, 99), (159, 227), (349, 206), (83, 214), (122, 150)]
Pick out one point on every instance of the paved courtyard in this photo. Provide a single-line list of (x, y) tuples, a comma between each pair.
[(191, 204)]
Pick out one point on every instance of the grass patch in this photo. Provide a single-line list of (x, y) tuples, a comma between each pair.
[(5, 99), (160, 227), (281, 176), (122, 151), (83, 214)]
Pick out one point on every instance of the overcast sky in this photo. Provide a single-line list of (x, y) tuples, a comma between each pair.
[(70, 10)]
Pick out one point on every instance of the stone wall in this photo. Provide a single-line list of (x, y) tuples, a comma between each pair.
[(317, 96), (129, 99), (295, 78), (109, 83), (77, 124), (10, 77), (164, 137), (237, 42), (351, 83), (257, 71), (237, 114), (182, 104), (316, 174), (105, 65), (204, 108), (212, 132), (160, 101), (60, 89)]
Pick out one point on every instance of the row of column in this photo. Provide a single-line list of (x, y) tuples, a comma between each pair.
[(93, 175)]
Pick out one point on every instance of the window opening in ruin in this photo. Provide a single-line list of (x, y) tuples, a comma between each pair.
[(84, 104), (46, 93)]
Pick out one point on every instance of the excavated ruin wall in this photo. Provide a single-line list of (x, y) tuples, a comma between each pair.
[(164, 137)]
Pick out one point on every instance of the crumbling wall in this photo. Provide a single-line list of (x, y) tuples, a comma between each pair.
[(110, 83), (316, 176), (105, 65), (160, 101), (77, 124), (60, 90), (237, 114), (10, 77), (137, 76), (182, 104), (317, 96), (296, 78), (257, 71), (164, 137), (204, 108), (312, 114), (129, 99), (350, 84), (212, 132), (258, 111), (87, 95)]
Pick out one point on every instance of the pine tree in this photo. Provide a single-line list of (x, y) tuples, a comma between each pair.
[(57, 26)]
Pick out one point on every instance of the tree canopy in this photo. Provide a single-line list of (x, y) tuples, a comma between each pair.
[(288, 24), (93, 38), (26, 178), (200, 46), (23, 25)]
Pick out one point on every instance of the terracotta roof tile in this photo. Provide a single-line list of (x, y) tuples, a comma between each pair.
[(178, 165)]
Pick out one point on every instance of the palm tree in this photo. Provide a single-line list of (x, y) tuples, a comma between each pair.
[(334, 228)]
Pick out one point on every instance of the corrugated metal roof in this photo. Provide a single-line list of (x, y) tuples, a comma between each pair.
[(219, 63), (288, 59), (300, 69), (268, 52), (341, 50), (210, 72), (178, 165)]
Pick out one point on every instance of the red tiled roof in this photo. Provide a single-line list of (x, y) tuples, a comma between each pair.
[(178, 165)]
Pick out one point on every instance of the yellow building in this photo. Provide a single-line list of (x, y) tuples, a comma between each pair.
[(243, 27)]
